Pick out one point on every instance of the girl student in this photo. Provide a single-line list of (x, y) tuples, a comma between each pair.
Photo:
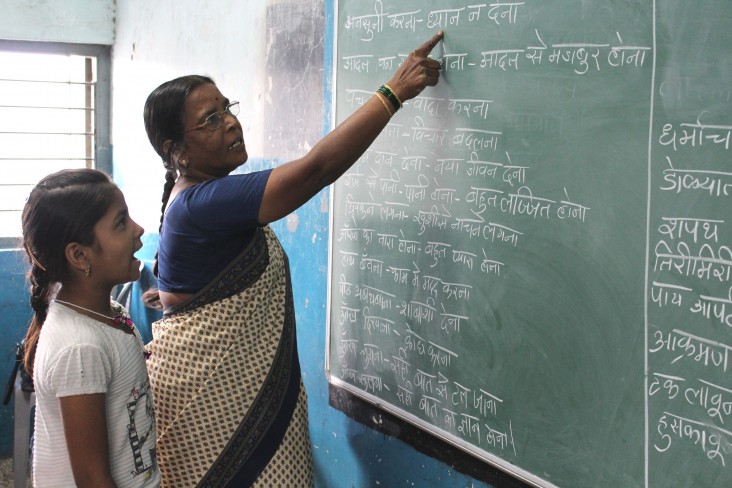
[(94, 420)]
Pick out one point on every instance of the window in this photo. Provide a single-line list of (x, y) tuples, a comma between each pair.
[(54, 114)]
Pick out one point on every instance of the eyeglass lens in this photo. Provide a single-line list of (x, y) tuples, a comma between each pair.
[(214, 121)]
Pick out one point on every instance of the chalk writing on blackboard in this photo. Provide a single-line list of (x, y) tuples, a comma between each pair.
[(534, 239)]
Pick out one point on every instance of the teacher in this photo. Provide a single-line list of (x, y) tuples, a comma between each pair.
[(230, 404)]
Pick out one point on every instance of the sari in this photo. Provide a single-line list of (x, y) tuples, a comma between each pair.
[(229, 400)]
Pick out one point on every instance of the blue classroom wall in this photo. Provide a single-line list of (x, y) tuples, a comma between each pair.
[(15, 313)]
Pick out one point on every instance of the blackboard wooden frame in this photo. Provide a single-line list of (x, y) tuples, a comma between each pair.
[(425, 438), (423, 441)]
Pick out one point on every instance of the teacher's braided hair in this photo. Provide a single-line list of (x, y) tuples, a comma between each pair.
[(165, 121)]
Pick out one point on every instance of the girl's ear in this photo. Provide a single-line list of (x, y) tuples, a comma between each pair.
[(77, 256)]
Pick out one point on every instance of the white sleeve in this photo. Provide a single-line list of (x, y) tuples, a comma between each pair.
[(80, 369)]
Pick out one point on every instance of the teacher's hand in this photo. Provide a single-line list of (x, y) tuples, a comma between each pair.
[(417, 71)]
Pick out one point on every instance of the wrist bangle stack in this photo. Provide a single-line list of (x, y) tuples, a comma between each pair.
[(391, 96), (385, 104)]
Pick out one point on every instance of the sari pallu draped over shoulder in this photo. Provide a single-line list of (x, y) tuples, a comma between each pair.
[(229, 401)]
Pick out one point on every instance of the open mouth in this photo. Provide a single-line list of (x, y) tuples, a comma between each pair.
[(137, 248), (238, 142)]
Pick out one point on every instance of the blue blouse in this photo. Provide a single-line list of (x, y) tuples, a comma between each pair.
[(205, 227)]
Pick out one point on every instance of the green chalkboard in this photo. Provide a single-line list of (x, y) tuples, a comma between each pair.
[(533, 261)]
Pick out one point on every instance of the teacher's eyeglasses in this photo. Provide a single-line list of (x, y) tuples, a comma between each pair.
[(216, 120)]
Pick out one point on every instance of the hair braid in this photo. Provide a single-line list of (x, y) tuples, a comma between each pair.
[(167, 189), (40, 295)]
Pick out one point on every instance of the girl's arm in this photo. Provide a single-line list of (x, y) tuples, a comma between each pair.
[(292, 184), (85, 428)]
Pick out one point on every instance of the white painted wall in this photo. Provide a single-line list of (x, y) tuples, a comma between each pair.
[(76, 21), (163, 39)]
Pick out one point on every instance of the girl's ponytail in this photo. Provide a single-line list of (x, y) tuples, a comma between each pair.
[(40, 296)]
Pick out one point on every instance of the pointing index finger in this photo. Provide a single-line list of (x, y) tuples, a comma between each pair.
[(427, 47)]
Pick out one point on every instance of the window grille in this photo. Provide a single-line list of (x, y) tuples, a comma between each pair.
[(54, 114)]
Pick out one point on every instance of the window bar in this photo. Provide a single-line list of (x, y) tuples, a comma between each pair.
[(89, 100)]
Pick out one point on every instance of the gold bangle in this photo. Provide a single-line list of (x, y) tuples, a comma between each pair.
[(395, 95), (383, 102)]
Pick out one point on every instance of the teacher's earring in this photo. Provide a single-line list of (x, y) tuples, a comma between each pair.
[(183, 166), (87, 272)]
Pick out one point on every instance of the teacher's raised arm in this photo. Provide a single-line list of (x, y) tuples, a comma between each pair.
[(294, 183)]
